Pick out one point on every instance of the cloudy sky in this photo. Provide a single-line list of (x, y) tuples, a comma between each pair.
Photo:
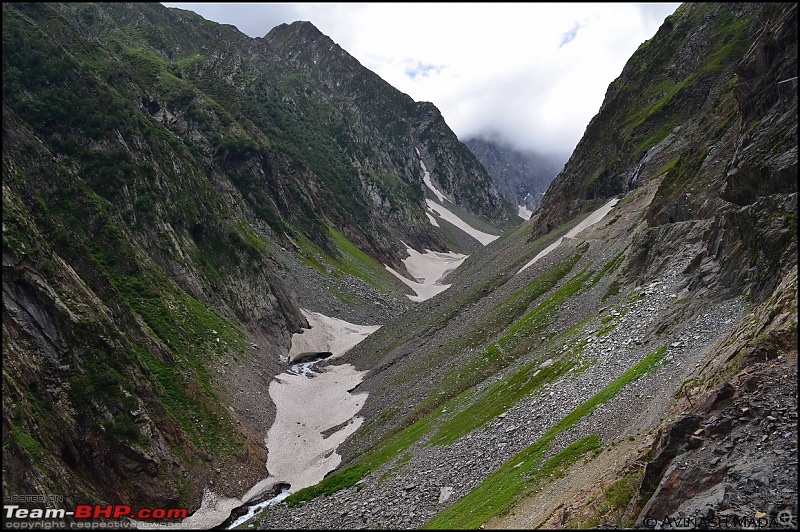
[(531, 73)]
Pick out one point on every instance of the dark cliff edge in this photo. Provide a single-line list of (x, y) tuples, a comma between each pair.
[(707, 108)]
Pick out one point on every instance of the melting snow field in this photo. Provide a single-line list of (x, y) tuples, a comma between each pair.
[(590, 220), (445, 214), (480, 236), (428, 269), (328, 334), (299, 453), (213, 510), (524, 212)]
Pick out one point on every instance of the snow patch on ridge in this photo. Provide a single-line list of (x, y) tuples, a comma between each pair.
[(445, 214), (426, 177), (590, 220)]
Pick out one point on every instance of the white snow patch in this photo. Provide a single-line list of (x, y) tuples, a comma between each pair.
[(328, 334), (306, 407), (524, 212), (432, 219), (428, 269), (590, 220), (298, 454), (542, 253), (213, 511), (426, 177), (480, 236)]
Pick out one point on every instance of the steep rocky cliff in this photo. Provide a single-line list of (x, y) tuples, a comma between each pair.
[(385, 133)]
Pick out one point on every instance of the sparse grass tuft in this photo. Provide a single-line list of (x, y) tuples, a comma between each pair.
[(500, 490)]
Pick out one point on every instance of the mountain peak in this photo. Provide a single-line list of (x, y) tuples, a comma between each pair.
[(297, 29)]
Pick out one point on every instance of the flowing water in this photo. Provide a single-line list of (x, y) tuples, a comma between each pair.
[(635, 176), (253, 510)]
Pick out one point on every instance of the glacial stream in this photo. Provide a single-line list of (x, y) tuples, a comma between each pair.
[(253, 510), (305, 369), (315, 407)]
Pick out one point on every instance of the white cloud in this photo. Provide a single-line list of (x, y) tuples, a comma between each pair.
[(534, 73)]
